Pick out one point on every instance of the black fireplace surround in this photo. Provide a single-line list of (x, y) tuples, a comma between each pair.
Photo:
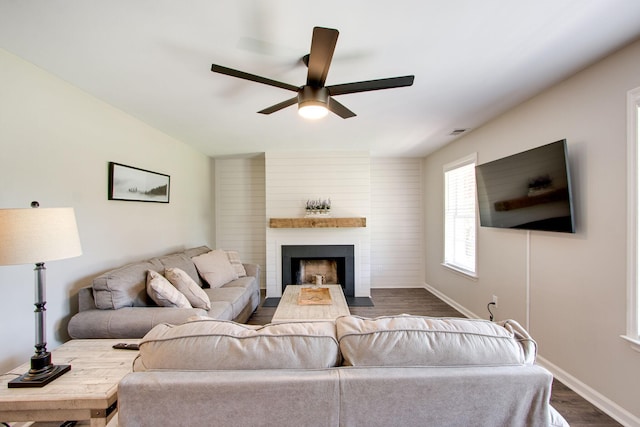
[(343, 255)]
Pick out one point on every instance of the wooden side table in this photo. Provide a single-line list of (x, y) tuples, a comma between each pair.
[(87, 392)]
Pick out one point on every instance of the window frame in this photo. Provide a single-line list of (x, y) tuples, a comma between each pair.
[(633, 219), (464, 161)]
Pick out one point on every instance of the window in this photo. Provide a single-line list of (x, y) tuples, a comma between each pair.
[(633, 222), (460, 215)]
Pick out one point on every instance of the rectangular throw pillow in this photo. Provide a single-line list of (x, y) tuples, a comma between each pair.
[(215, 268), (188, 287), (234, 259), (163, 293)]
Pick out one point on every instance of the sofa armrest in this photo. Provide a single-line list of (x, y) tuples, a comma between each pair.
[(253, 270), (85, 299)]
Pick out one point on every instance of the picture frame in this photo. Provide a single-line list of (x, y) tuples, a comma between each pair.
[(133, 184)]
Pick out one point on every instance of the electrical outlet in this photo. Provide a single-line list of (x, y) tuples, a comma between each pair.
[(494, 300)]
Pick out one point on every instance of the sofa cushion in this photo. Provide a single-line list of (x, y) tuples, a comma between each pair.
[(124, 286), (236, 296), (163, 293), (188, 287), (220, 345), (183, 262), (190, 253), (215, 268), (425, 341), (132, 322), (236, 263), (248, 282)]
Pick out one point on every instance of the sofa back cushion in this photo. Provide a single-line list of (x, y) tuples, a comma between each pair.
[(208, 344), (183, 262), (125, 286), (190, 253), (424, 341)]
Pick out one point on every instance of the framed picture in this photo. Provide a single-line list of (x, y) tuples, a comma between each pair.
[(135, 184)]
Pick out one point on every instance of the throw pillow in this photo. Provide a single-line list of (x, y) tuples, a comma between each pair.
[(234, 259), (215, 268), (163, 293), (189, 288)]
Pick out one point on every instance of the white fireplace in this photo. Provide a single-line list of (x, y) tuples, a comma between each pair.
[(294, 178), (359, 287)]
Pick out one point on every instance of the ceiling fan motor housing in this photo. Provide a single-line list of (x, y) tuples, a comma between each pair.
[(309, 95)]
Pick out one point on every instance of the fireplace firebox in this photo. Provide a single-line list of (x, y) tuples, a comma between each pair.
[(301, 264)]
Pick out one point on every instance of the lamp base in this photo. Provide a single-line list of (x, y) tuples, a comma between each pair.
[(42, 372)]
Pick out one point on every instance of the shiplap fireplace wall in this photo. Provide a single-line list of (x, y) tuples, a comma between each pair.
[(249, 190), (292, 179)]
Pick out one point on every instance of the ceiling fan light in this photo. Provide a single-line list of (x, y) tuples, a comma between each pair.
[(312, 110), (313, 102)]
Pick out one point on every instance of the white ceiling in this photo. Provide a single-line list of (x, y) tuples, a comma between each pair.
[(472, 60)]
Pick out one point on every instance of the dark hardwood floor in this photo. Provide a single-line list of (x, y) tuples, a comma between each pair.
[(576, 410)]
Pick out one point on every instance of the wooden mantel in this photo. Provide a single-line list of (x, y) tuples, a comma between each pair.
[(317, 222)]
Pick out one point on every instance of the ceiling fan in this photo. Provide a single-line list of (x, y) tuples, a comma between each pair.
[(314, 99)]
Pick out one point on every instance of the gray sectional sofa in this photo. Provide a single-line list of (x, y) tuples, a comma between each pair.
[(117, 305), (389, 371)]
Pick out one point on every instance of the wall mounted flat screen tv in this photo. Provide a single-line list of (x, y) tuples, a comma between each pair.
[(529, 190)]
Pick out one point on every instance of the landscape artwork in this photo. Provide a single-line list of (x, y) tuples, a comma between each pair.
[(134, 184)]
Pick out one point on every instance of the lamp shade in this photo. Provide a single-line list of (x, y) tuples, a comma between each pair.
[(29, 236)]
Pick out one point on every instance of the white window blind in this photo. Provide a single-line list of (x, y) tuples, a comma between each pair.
[(460, 215)]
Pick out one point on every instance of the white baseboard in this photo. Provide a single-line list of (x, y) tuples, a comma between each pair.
[(601, 402), (451, 302)]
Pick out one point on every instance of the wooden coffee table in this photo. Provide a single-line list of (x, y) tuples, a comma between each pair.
[(289, 310), (87, 392)]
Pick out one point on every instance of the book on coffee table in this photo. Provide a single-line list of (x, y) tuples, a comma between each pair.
[(314, 296)]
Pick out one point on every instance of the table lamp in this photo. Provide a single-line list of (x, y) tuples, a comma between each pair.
[(33, 236)]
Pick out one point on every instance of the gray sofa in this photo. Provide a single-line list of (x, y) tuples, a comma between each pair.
[(116, 305), (389, 371)]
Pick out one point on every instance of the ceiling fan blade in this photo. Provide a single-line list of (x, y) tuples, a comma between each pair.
[(339, 109), (323, 43), (280, 106), (388, 83), (252, 77)]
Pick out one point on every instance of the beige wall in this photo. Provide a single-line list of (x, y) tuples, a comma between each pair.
[(55, 144), (576, 304)]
